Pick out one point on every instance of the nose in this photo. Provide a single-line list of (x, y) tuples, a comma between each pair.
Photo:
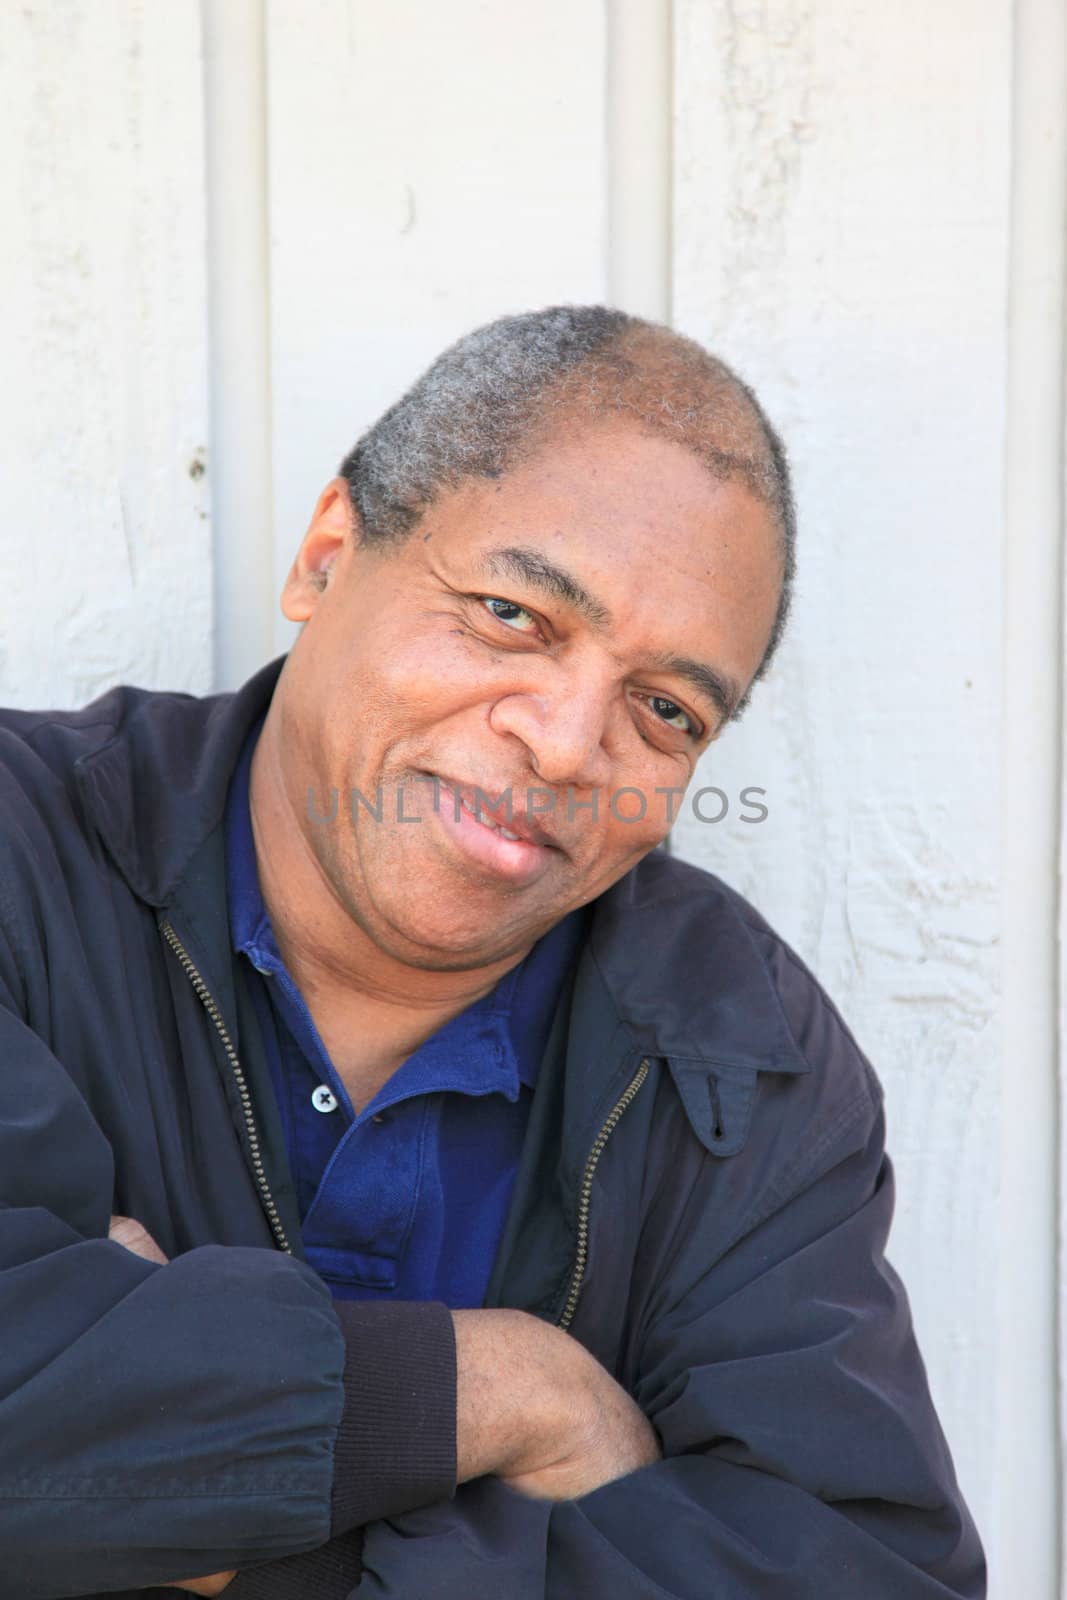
[(563, 733)]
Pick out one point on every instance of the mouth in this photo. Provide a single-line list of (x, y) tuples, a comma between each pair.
[(510, 821), (516, 846)]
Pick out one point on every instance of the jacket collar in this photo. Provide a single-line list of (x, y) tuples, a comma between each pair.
[(157, 787), (674, 946), (678, 952)]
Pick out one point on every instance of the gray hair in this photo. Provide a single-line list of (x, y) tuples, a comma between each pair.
[(498, 394)]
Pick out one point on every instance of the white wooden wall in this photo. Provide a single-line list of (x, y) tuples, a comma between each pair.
[(105, 543), (232, 233)]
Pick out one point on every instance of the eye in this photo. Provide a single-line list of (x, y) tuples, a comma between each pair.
[(510, 612), (673, 715)]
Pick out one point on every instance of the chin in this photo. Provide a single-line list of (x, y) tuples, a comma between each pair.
[(453, 952), (436, 936)]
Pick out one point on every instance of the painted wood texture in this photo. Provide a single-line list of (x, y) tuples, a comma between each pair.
[(431, 167), (841, 229), (829, 205), (105, 552)]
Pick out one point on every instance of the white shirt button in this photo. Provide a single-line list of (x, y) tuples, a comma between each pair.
[(323, 1098)]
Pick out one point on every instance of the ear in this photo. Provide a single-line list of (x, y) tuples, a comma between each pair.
[(329, 537)]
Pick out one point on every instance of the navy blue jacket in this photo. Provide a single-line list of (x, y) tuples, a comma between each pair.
[(703, 1201)]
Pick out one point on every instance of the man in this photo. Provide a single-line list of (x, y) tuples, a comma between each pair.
[(496, 1204)]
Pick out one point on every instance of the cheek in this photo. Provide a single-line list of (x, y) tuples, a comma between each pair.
[(636, 817), (616, 845), (404, 685), (644, 799), (436, 660)]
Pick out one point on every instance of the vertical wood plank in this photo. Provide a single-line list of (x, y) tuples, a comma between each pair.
[(239, 317), (105, 554), (841, 235), (640, 69), (431, 167), (1035, 820), (1028, 1525)]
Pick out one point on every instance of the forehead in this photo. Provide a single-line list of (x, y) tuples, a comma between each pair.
[(658, 548), (610, 480)]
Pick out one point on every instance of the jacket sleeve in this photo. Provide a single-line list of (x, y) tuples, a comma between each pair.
[(161, 1422), (803, 1459)]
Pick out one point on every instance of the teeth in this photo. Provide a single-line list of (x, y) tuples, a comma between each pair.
[(486, 822), (479, 816)]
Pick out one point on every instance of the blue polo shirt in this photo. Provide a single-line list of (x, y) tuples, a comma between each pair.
[(408, 1199)]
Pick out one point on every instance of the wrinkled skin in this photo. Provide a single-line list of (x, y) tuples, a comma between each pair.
[(418, 661)]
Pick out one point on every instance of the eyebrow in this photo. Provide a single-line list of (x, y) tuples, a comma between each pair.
[(515, 561), (535, 569), (723, 691)]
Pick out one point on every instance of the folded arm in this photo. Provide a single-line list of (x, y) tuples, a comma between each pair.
[(803, 1458), (160, 1421)]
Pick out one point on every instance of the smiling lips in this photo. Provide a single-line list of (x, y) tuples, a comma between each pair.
[(519, 827)]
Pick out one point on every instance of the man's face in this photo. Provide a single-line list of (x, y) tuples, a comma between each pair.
[(539, 637)]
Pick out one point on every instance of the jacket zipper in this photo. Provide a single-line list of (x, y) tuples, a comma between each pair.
[(210, 1005), (585, 1193)]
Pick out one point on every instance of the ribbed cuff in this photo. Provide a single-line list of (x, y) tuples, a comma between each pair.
[(331, 1572), (396, 1444)]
